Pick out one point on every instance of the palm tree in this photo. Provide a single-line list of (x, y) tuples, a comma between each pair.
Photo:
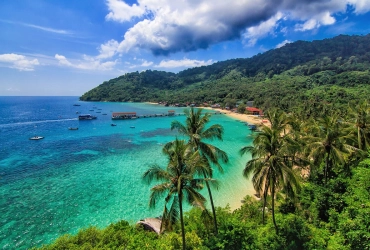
[(327, 140), (271, 164), (360, 117), (178, 184), (195, 129)]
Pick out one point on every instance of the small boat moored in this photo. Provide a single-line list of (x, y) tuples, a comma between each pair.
[(86, 117), (36, 138), (132, 126), (113, 124), (73, 128)]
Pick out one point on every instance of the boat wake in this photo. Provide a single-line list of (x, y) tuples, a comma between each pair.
[(35, 122)]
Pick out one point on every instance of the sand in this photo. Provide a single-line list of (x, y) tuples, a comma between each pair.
[(250, 119)]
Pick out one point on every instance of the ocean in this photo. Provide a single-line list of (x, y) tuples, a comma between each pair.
[(73, 179)]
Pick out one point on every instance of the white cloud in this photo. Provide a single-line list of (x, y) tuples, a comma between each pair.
[(283, 43), (146, 63), (167, 26), (184, 63), (64, 32), (63, 60), (43, 28), (88, 63), (361, 6), (254, 33), (315, 22), (108, 49), (19, 62), (122, 12)]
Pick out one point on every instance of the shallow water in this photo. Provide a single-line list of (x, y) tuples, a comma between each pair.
[(72, 179)]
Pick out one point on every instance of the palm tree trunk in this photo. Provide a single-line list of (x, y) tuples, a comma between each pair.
[(212, 205), (359, 138), (326, 168), (265, 192), (273, 207), (182, 223), (264, 205)]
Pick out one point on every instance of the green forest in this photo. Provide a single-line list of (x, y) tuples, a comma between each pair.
[(312, 177), (310, 169), (305, 76)]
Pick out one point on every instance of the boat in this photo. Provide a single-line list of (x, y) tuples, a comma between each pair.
[(76, 105), (252, 127), (36, 137), (73, 128), (113, 124), (132, 126), (104, 114), (86, 117)]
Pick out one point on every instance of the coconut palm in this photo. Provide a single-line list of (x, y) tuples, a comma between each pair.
[(271, 165), (178, 183), (195, 129), (327, 140), (360, 121)]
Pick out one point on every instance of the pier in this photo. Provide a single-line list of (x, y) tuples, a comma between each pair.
[(133, 115)]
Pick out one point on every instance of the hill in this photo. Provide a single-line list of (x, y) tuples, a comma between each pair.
[(301, 75)]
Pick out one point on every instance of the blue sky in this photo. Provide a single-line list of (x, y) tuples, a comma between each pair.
[(65, 48)]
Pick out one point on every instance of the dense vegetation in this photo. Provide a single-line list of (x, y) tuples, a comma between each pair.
[(310, 168), (313, 177), (307, 76)]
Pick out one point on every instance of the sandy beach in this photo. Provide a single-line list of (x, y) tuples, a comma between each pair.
[(250, 119)]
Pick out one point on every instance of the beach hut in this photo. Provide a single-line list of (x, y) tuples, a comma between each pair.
[(253, 111), (151, 224)]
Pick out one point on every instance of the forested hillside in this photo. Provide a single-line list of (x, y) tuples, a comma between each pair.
[(301, 75)]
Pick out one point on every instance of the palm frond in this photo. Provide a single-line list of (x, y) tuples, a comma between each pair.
[(157, 192), (155, 172), (193, 197)]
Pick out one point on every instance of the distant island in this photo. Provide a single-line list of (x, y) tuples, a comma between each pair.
[(302, 76)]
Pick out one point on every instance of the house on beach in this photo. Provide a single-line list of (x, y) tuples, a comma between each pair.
[(253, 111)]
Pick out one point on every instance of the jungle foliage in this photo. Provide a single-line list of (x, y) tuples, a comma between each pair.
[(306, 76)]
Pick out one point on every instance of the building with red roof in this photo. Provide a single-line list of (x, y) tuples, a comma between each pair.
[(253, 111)]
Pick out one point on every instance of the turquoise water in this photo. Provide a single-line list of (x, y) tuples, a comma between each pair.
[(72, 179)]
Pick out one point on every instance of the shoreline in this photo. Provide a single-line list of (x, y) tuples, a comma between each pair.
[(250, 119), (237, 201)]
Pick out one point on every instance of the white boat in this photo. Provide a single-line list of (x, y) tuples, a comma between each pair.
[(36, 138)]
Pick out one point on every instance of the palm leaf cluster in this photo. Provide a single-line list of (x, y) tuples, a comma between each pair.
[(178, 183), (195, 129), (189, 168), (290, 145), (272, 161)]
